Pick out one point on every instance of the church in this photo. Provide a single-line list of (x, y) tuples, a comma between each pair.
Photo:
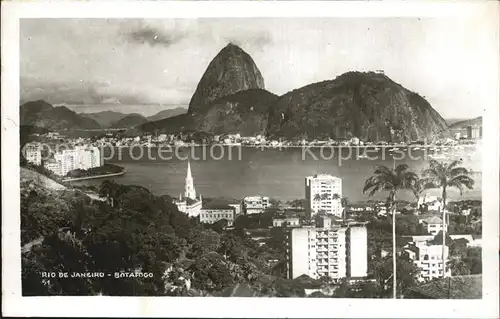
[(189, 204)]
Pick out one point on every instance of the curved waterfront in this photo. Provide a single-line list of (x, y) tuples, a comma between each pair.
[(237, 172)]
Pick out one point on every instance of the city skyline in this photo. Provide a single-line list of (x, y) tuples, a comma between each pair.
[(441, 59)]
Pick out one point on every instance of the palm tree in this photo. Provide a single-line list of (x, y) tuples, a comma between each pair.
[(444, 176), (458, 267), (325, 196), (389, 180), (317, 197), (344, 201)]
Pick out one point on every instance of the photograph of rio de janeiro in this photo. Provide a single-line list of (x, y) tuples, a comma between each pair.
[(252, 157)]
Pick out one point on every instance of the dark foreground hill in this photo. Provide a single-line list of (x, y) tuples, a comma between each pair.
[(369, 106), (42, 114)]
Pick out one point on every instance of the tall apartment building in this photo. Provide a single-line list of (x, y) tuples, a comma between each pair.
[(328, 250), (255, 204), (88, 157), (33, 153), (357, 251), (81, 157), (429, 259), (474, 131), (320, 190)]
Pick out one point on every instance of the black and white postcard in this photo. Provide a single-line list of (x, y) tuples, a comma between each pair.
[(250, 159)]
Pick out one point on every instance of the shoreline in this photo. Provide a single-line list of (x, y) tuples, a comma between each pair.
[(93, 177), (382, 146)]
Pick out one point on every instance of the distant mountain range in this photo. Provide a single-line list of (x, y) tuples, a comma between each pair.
[(112, 119), (104, 118), (44, 115), (231, 98), (129, 121)]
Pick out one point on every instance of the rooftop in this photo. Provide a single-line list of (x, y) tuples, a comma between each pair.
[(217, 205), (460, 287), (433, 220)]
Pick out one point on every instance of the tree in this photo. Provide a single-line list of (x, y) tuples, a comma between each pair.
[(317, 197), (444, 176), (392, 181), (111, 190), (383, 272), (344, 201), (458, 267), (325, 196)]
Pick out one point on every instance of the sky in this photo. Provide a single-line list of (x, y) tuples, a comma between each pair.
[(119, 62)]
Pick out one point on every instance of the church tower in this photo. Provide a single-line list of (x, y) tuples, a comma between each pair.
[(189, 190)]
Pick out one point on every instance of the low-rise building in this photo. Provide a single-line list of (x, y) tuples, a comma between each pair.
[(33, 153), (433, 224), (429, 259), (286, 222), (237, 205), (255, 204), (54, 166), (214, 212)]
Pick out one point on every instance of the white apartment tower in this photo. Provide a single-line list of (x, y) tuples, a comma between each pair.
[(330, 250), (321, 190), (357, 248)]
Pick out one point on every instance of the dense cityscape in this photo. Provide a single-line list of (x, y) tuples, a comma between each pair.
[(321, 241)]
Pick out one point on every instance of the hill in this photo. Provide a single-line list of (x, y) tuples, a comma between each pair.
[(244, 112), (42, 114), (464, 123), (104, 118), (367, 105), (232, 70), (167, 113), (129, 121), (174, 124)]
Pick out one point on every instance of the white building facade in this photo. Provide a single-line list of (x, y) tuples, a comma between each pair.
[(428, 258), (357, 248), (326, 251), (213, 213), (33, 153), (255, 204), (320, 190), (81, 157)]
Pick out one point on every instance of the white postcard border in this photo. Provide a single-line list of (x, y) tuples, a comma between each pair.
[(14, 304)]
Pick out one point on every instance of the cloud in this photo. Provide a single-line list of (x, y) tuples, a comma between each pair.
[(99, 92), (155, 37)]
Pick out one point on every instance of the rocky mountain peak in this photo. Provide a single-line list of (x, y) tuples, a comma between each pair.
[(232, 70)]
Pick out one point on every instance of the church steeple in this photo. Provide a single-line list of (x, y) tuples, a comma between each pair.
[(189, 190)]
